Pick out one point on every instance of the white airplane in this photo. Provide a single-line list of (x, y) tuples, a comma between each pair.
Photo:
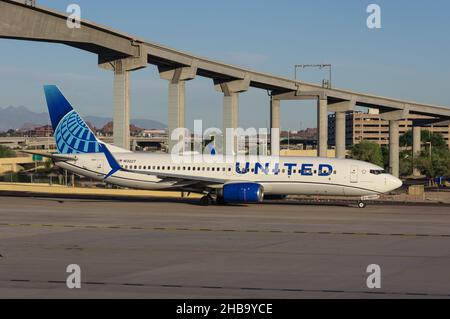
[(82, 153)]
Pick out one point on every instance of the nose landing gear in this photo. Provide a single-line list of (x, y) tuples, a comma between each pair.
[(363, 199), (362, 204)]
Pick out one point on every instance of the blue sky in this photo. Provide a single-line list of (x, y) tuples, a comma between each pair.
[(408, 58)]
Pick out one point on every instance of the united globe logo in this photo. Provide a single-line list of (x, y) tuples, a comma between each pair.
[(73, 136)]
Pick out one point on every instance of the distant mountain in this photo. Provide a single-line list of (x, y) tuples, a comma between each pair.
[(15, 118)]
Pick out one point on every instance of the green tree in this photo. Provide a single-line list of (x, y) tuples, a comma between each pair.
[(367, 151), (6, 152), (406, 163), (438, 164), (431, 167), (436, 139), (385, 154)]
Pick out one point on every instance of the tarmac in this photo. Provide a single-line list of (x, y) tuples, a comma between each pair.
[(173, 248)]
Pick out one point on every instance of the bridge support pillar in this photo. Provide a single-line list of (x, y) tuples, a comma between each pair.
[(340, 134), (394, 148), (231, 92), (341, 110), (177, 104), (322, 124), (121, 107), (275, 126), (230, 120), (394, 138), (122, 68), (416, 145)]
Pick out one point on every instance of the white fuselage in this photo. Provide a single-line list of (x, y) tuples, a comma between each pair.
[(278, 176)]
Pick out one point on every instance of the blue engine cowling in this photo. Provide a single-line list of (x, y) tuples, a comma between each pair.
[(243, 193)]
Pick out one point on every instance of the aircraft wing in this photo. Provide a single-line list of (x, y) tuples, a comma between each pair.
[(186, 177)]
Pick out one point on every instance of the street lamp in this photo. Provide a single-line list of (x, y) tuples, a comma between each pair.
[(325, 83), (431, 145)]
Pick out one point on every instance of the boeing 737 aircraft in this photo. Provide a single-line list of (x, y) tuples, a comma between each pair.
[(82, 153)]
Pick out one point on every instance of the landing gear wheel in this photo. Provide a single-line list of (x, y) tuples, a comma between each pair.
[(362, 204), (220, 201), (205, 201)]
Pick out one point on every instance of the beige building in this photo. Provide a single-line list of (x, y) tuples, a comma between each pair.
[(369, 126)]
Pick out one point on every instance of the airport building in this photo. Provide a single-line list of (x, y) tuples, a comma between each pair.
[(370, 126)]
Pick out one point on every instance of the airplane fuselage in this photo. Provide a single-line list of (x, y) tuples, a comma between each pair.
[(278, 176)]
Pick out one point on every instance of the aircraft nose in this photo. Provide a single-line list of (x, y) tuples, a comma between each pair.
[(394, 182)]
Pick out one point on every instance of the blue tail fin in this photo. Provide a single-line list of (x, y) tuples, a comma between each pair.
[(72, 135)]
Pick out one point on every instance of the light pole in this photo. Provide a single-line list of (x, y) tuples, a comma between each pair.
[(325, 83), (431, 145)]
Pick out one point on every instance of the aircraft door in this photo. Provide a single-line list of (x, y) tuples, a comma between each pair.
[(354, 174)]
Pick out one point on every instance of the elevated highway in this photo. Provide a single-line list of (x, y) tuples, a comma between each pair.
[(123, 53)]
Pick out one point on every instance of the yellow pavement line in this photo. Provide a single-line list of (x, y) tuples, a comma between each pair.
[(57, 189)]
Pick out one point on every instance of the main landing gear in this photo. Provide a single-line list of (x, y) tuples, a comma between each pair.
[(209, 200), (206, 200)]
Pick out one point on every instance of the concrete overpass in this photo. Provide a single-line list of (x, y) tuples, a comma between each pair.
[(123, 53)]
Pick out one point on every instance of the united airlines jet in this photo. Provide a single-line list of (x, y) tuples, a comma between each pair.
[(241, 181)]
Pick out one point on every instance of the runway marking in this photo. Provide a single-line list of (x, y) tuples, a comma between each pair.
[(209, 230), (260, 289)]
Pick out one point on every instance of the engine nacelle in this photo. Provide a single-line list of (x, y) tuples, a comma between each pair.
[(243, 193)]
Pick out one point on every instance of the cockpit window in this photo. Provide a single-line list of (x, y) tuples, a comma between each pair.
[(377, 171)]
